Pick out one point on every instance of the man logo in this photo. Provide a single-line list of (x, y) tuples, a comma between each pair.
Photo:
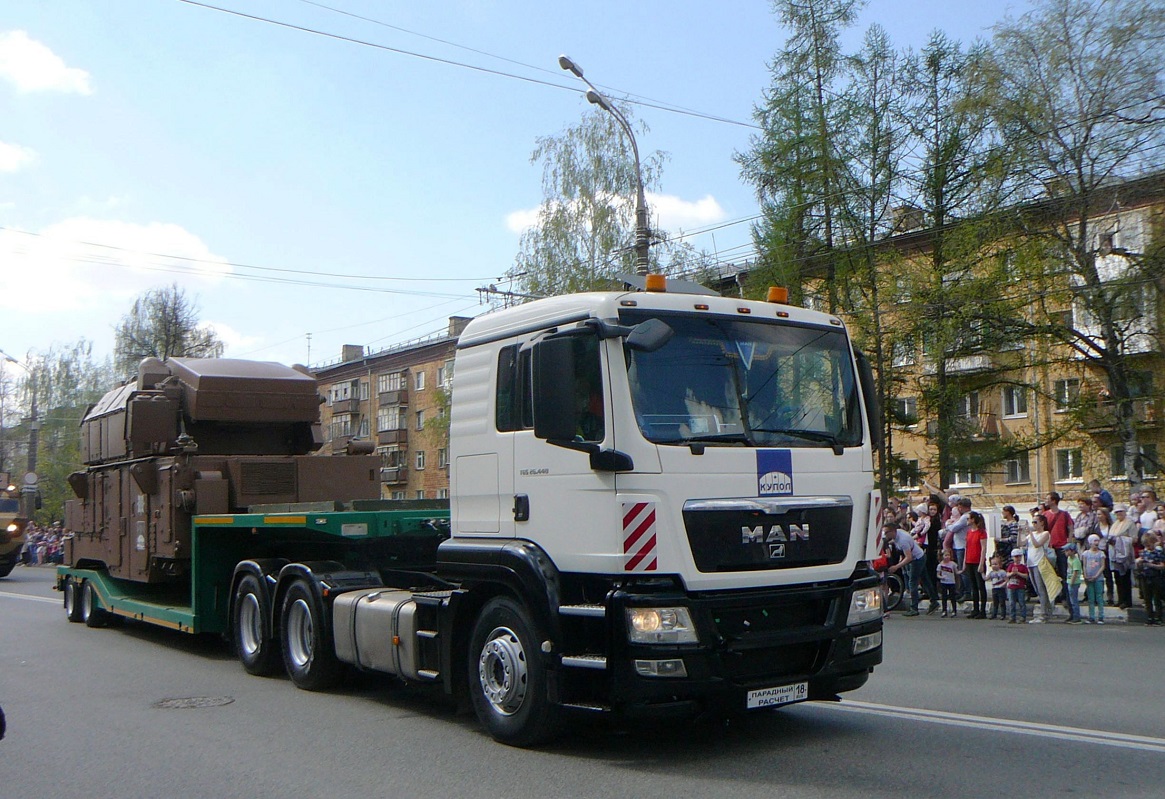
[(776, 551)]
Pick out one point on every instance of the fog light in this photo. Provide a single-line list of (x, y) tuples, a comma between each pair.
[(661, 668), (864, 643)]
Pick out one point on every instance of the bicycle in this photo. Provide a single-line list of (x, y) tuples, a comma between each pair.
[(893, 586)]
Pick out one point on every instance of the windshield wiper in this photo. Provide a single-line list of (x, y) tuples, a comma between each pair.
[(809, 435), (719, 438)]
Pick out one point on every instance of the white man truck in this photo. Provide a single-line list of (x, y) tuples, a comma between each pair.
[(661, 503)]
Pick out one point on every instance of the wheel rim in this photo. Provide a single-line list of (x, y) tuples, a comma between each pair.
[(70, 598), (250, 625), (502, 671), (299, 633)]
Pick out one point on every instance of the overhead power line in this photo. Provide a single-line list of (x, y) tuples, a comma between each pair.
[(673, 109)]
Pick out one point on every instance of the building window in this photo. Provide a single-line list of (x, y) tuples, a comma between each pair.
[(364, 424), (420, 493), (1069, 465), (420, 460), (1150, 466), (445, 374), (908, 474), (389, 457), (363, 391), (391, 381), (1065, 393), (442, 493), (1017, 470), (398, 495), (420, 381), (903, 352), (966, 477), (420, 420), (906, 411), (388, 418), (341, 425), (1015, 401), (442, 458), (968, 405)]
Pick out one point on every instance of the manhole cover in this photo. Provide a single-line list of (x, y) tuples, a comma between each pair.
[(194, 701)]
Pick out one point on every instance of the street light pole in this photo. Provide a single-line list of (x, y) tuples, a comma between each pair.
[(594, 96), (29, 489)]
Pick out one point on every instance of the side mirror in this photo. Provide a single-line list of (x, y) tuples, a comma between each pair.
[(650, 335), (870, 395), (553, 366)]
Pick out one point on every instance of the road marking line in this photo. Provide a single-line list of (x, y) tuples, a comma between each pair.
[(31, 598), (1055, 731)]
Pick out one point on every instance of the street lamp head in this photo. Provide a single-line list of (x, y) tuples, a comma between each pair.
[(570, 66), (597, 99)]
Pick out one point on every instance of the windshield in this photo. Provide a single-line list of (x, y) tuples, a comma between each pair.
[(746, 383)]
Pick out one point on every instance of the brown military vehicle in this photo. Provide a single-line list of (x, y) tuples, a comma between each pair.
[(198, 436)]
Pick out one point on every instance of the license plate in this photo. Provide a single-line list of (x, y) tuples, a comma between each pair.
[(781, 695)]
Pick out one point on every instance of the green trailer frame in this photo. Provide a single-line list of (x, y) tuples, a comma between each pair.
[(221, 541)]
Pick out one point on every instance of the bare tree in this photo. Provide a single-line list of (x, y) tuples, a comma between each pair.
[(162, 323)]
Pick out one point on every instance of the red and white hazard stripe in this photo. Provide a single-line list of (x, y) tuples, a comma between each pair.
[(639, 537)]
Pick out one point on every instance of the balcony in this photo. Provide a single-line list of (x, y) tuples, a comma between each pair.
[(1102, 415), (975, 428), (967, 364), (398, 397), (384, 437), (345, 406), (394, 475)]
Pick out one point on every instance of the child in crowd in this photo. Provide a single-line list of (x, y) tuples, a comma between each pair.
[(947, 569), (1074, 577), (1151, 565), (1094, 560), (1017, 586), (998, 579)]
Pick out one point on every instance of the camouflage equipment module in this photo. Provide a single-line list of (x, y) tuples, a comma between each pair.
[(198, 436)]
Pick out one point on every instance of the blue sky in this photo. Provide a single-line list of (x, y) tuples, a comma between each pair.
[(144, 142)]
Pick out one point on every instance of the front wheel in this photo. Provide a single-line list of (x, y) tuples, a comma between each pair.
[(507, 676), (256, 650), (308, 652), (895, 590)]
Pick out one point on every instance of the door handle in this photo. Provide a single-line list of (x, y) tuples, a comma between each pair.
[(521, 508)]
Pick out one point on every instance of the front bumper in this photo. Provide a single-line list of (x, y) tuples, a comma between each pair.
[(748, 640)]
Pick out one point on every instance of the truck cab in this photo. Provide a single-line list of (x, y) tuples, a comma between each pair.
[(690, 478)]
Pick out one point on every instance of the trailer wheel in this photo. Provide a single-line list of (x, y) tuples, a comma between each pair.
[(72, 601), (308, 652), (256, 650), (507, 676), (91, 611)]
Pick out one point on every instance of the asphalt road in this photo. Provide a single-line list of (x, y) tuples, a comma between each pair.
[(960, 708)]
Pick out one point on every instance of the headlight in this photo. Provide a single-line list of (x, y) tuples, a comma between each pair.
[(12, 528), (865, 605), (660, 626)]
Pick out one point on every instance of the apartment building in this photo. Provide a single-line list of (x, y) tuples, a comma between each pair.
[(396, 399)]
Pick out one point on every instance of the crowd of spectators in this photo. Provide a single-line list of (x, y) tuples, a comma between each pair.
[(1083, 560), (43, 544)]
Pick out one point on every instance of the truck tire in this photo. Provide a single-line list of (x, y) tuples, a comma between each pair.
[(507, 676), (71, 600), (308, 652), (91, 611), (256, 650), (7, 565)]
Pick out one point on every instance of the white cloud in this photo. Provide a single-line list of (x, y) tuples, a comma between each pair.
[(667, 211), (91, 265), (14, 157), (32, 67), (674, 213), (233, 340)]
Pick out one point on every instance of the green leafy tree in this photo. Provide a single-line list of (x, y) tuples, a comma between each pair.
[(162, 323), (584, 237), (1076, 89)]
